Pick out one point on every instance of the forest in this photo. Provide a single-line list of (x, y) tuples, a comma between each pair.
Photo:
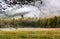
[(30, 22), (19, 1)]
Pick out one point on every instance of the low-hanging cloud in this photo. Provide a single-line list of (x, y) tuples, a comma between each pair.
[(48, 8)]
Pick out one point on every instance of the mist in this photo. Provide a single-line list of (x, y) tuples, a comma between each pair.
[(48, 8)]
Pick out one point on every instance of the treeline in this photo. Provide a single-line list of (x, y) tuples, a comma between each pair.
[(31, 22), (18, 1)]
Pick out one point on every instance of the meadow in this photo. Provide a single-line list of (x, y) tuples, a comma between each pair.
[(27, 34)]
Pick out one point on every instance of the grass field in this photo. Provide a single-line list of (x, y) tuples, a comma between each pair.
[(30, 33)]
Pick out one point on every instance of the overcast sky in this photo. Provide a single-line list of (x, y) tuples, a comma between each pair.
[(50, 5)]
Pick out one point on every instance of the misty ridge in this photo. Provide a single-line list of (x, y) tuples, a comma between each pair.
[(29, 8)]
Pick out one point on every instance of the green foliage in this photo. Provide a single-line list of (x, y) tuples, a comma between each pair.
[(31, 22)]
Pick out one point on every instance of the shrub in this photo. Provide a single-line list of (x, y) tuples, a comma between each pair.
[(31, 22)]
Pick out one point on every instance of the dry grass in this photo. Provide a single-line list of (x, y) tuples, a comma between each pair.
[(30, 33), (29, 29)]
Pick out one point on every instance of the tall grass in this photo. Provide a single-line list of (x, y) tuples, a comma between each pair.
[(55, 34)]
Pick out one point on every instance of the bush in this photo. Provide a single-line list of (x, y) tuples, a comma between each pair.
[(31, 22)]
